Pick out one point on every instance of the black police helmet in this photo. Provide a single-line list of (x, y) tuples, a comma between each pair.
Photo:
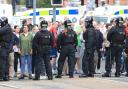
[(119, 20), (43, 23), (89, 21), (4, 21), (67, 23)]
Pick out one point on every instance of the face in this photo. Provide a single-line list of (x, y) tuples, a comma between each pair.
[(17, 29), (25, 29), (35, 29)]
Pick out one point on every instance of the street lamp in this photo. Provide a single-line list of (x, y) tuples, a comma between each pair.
[(34, 11)]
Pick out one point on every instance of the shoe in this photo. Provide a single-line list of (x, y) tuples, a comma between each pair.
[(5, 79), (117, 74), (50, 78), (98, 72), (71, 76), (21, 77), (30, 76), (15, 75), (43, 77), (126, 74), (58, 76), (25, 75), (83, 76), (10, 78), (36, 78), (106, 75), (90, 75)]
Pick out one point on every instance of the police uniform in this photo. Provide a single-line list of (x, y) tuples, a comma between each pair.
[(116, 37), (67, 42), (43, 41), (90, 43), (5, 39)]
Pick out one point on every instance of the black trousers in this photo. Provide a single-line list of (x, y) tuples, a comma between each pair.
[(99, 58), (4, 63), (67, 51), (113, 54), (16, 58), (43, 57), (88, 61), (34, 57), (126, 64)]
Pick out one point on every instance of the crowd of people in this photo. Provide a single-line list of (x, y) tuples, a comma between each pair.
[(62, 48)]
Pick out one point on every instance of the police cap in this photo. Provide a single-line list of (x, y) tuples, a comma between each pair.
[(43, 23)]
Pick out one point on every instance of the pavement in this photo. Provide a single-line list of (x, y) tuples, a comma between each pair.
[(68, 83), (98, 82)]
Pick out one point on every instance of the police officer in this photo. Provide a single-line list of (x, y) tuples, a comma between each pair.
[(67, 42), (116, 37), (5, 39), (90, 43), (43, 41)]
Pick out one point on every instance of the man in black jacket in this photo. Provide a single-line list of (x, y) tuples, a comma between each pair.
[(67, 42), (90, 44), (5, 39), (42, 42), (116, 37)]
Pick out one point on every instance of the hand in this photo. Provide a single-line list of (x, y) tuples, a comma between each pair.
[(31, 52), (14, 46), (19, 51)]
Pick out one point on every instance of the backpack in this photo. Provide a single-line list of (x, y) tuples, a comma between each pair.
[(120, 35), (44, 38)]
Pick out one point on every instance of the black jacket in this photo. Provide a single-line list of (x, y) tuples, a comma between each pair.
[(99, 39), (90, 38), (5, 36), (36, 40), (63, 39)]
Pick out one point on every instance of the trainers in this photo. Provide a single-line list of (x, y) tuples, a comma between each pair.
[(21, 77), (98, 72), (15, 75), (43, 77), (30, 76), (83, 76)]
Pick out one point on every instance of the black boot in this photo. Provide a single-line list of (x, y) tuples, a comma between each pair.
[(106, 75), (6, 79), (58, 76), (117, 74), (90, 75), (36, 78), (50, 77)]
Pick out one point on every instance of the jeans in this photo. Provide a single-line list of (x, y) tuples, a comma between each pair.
[(23, 63)]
